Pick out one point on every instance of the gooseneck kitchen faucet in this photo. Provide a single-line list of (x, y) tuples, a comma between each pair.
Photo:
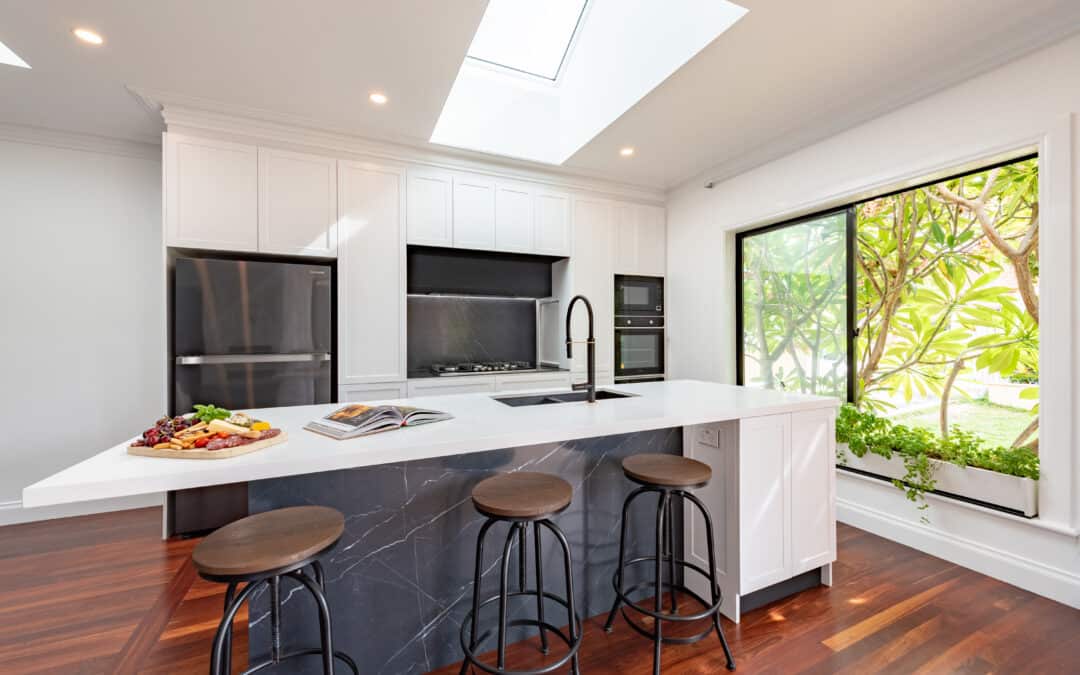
[(590, 384)]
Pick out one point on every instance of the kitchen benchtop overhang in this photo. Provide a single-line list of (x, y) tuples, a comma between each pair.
[(480, 423)]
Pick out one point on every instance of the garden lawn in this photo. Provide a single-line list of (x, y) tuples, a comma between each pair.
[(996, 424)]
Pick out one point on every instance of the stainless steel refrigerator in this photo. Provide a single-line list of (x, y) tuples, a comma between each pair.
[(245, 334), (250, 334)]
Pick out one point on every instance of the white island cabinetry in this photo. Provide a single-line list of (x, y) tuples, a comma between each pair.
[(772, 500)]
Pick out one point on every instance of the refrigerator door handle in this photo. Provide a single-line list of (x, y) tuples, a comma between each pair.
[(204, 360)]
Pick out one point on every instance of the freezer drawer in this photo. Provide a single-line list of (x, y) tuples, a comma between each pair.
[(252, 384)]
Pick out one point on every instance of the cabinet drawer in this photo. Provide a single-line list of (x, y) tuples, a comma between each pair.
[(363, 393), (471, 384), (532, 381)]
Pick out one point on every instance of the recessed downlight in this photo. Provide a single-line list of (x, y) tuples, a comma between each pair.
[(88, 36), (627, 152), (378, 98)]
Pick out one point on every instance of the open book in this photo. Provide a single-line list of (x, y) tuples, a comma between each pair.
[(359, 420)]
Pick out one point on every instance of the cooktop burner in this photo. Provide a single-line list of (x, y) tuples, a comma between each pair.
[(482, 367)]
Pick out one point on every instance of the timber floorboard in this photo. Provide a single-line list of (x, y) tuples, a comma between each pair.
[(104, 594)]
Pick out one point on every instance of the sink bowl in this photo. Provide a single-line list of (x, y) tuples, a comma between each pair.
[(559, 397)]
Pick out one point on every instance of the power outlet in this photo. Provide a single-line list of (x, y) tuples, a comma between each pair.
[(709, 436)]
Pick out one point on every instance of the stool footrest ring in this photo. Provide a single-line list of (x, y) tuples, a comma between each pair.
[(473, 659)]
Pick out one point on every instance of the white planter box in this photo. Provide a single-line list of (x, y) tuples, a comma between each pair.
[(1011, 492)]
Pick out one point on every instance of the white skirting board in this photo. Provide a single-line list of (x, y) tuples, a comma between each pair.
[(1036, 558), (12, 513)]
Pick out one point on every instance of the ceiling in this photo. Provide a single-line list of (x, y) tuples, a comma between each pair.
[(786, 75)]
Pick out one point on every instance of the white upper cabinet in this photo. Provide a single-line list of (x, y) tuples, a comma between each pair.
[(371, 273), (430, 207), (211, 194), (474, 212), (552, 218), (514, 217), (640, 240), (593, 276), (297, 203)]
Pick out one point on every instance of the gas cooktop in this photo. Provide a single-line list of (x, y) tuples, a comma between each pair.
[(443, 369)]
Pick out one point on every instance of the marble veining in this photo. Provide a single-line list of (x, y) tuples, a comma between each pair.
[(400, 580)]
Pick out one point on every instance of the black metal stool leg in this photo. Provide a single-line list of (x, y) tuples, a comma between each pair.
[(658, 595), (226, 653), (325, 634), (539, 588), (571, 603), (671, 552), (477, 579), (216, 652), (275, 619), (504, 594), (522, 554), (622, 556), (712, 576)]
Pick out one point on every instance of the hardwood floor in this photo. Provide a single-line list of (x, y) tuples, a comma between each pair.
[(103, 594)]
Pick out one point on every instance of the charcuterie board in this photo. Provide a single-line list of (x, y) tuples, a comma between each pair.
[(198, 453)]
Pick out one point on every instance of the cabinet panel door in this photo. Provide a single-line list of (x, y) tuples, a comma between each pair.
[(651, 241), (211, 194), (552, 223), (718, 446), (813, 489), (371, 273), (594, 278), (297, 203), (626, 239), (430, 217), (514, 218), (364, 393), (474, 212), (473, 384), (764, 510)]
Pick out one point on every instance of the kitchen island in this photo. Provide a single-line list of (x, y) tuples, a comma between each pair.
[(400, 580)]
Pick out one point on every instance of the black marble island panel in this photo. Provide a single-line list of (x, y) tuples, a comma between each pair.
[(400, 580)]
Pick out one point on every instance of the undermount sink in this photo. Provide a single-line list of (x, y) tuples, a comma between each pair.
[(561, 397)]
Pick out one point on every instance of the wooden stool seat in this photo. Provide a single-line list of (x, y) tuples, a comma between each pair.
[(268, 541), (667, 470), (522, 494)]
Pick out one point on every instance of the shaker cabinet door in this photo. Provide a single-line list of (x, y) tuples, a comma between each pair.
[(211, 194), (514, 218), (371, 273), (474, 212), (813, 489), (429, 215), (552, 223), (764, 508), (297, 203)]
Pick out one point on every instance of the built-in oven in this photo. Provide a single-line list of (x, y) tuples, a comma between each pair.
[(639, 296), (639, 348)]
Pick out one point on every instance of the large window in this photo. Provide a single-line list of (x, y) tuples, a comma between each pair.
[(920, 306)]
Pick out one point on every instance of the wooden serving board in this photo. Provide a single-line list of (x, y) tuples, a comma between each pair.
[(199, 453)]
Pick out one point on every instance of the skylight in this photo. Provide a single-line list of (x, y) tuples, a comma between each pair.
[(589, 61), (528, 36), (10, 58)]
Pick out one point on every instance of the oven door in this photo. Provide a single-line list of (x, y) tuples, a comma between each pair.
[(639, 352), (636, 296)]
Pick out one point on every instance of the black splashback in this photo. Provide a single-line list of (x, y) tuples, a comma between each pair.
[(458, 329), (447, 270)]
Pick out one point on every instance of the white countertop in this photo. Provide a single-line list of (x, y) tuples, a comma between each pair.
[(480, 423)]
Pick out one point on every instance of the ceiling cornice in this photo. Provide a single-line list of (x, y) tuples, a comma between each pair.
[(200, 115), (68, 140)]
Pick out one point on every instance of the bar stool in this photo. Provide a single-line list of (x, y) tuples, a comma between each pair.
[(521, 499), (264, 549), (669, 476)]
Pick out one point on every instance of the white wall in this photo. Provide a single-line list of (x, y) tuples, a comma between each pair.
[(82, 277), (1031, 103)]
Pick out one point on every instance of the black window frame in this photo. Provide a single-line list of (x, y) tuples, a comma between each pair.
[(851, 235)]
